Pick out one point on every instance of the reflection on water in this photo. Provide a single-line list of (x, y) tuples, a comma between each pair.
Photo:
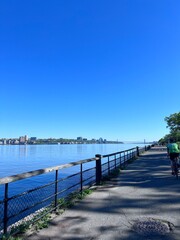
[(80, 148), (23, 150)]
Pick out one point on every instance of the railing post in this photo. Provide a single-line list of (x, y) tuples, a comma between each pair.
[(81, 178), (6, 208), (108, 166), (137, 150), (134, 154), (145, 148), (115, 162), (120, 159), (124, 163), (98, 169), (56, 188)]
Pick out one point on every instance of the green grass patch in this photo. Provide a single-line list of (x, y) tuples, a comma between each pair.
[(43, 222)]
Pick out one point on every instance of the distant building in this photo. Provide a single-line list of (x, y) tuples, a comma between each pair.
[(100, 140), (33, 138), (23, 139), (16, 142), (26, 138), (79, 139), (9, 141)]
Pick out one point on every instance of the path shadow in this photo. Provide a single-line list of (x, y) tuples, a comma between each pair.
[(158, 192)]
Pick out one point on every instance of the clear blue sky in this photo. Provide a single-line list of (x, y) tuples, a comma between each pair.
[(92, 68)]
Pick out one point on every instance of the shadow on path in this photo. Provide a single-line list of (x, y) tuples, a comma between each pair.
[(144, 191)]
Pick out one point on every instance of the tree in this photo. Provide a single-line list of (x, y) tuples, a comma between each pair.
[(173, 123)]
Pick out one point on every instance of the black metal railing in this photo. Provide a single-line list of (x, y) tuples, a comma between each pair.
[(31, 205)]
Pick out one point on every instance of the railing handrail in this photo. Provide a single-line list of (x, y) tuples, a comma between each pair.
[(111, 154), (33, 173)]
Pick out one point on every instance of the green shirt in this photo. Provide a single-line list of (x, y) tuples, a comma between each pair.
[(173, 148)]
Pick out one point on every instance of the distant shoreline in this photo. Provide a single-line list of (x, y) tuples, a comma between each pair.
[(60, 143)]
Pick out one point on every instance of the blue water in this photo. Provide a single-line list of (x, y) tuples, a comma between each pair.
[(15, 159)]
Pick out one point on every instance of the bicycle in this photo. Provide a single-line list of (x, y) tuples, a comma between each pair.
[(176, 166)]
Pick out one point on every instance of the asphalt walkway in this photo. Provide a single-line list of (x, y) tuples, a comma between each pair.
[(143, 202)]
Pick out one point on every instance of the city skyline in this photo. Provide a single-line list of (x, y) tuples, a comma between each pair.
[(94, 68), (34, 140), (26, 138)]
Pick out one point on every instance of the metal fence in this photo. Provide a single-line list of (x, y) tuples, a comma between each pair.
[(29, 206)]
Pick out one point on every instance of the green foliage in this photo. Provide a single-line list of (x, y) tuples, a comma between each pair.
[(62, 203), (22, 228), (8, 237), (43, 222), (173, 123), (84, 193)]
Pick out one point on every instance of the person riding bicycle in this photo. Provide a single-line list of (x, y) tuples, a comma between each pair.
[(173, 152)]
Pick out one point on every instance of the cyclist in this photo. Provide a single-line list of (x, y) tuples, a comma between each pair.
[(173, 152)]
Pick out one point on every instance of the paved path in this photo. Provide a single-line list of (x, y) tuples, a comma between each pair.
[(141, 203)]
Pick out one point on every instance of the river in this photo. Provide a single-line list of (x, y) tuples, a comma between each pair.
[(15, 159)]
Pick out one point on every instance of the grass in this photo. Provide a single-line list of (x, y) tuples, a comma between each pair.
[(47, 214), (8, 237)]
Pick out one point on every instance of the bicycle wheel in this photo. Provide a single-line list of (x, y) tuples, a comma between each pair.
[(176, 168)]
